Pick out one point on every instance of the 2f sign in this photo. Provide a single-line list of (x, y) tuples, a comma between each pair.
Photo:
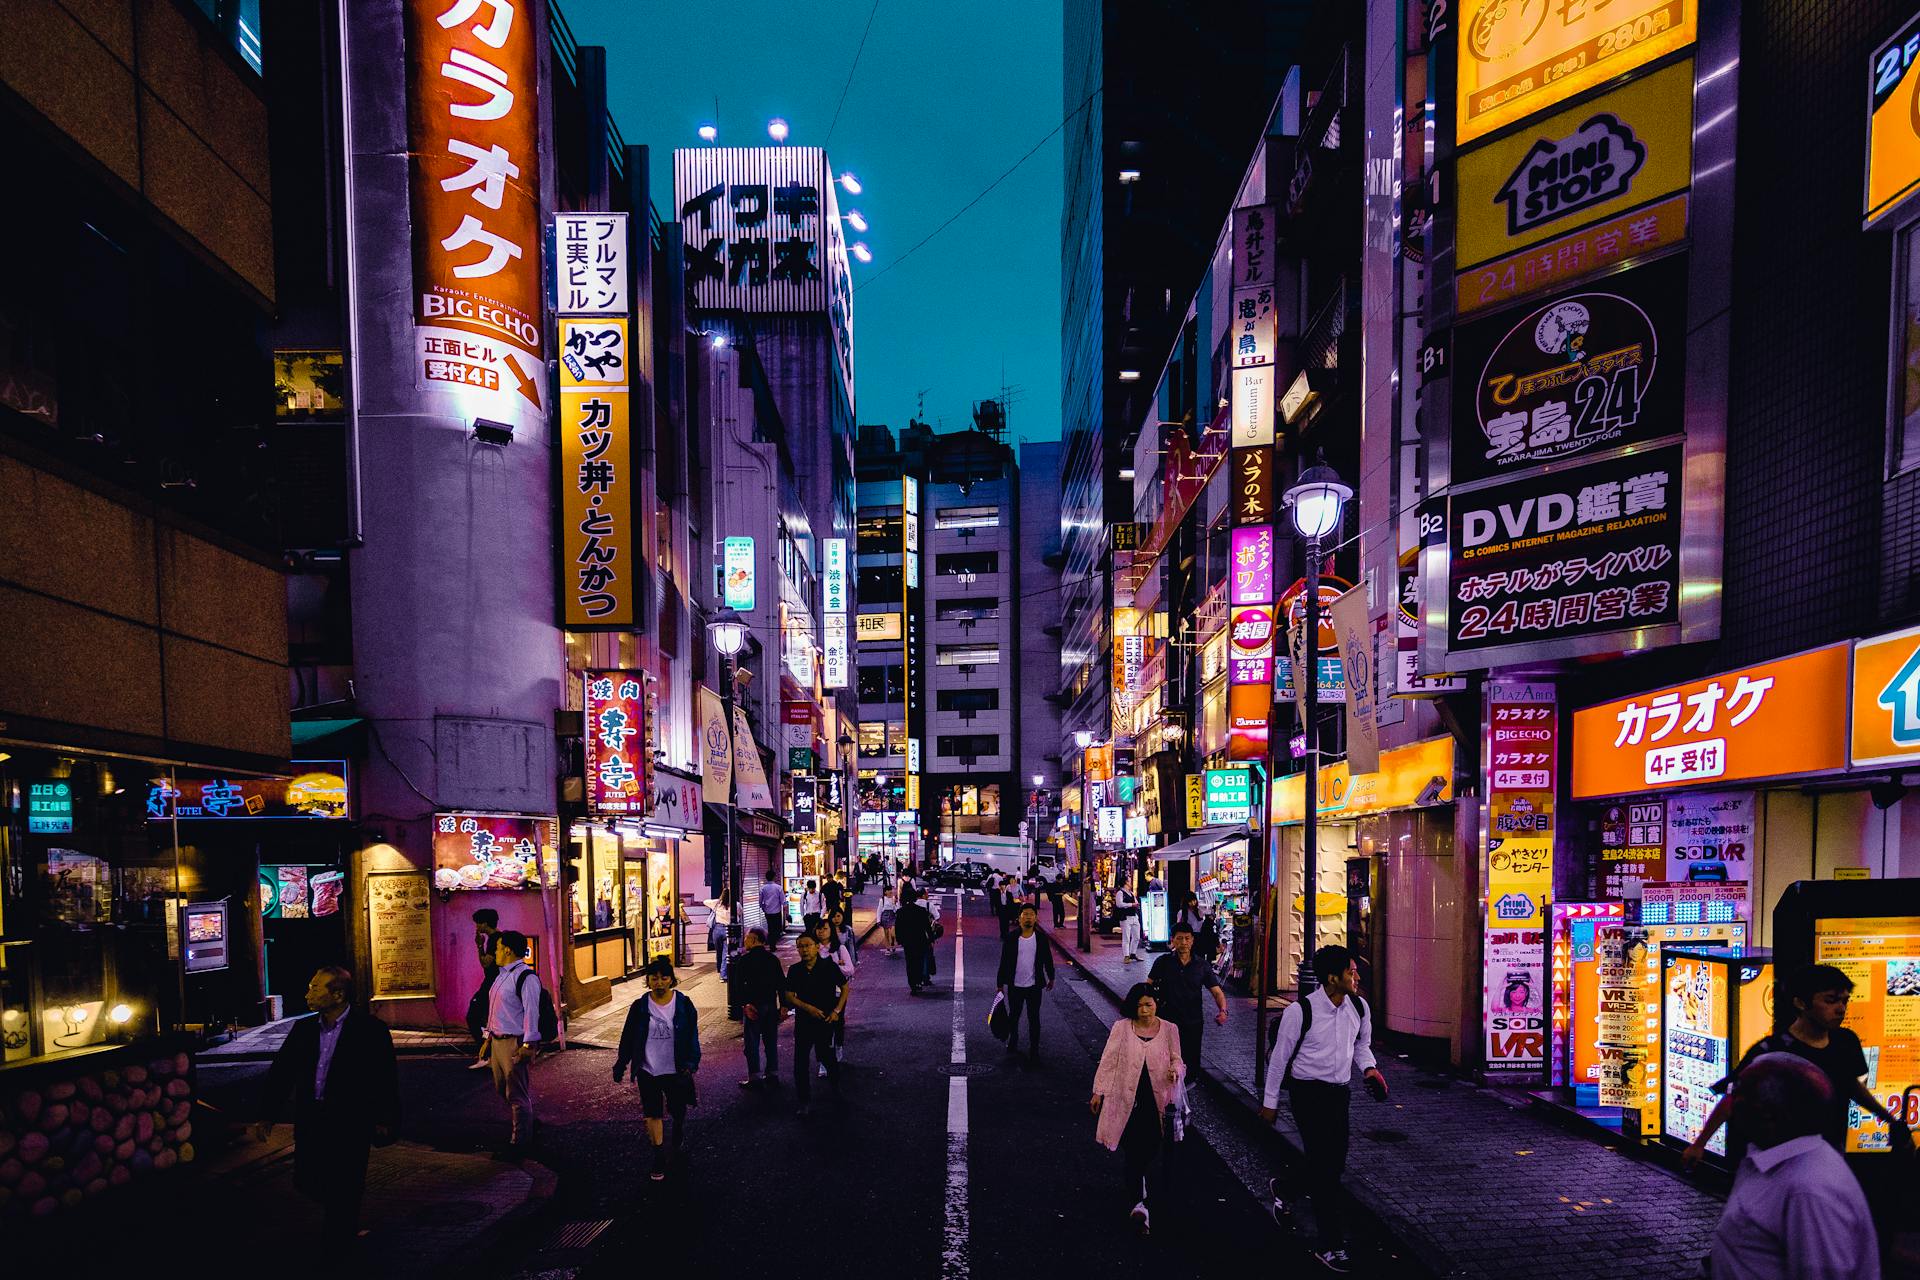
[(1893, 64)]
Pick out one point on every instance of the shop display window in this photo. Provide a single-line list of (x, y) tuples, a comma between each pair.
[(89, 899)]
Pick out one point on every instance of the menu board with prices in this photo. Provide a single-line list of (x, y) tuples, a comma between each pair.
[(400, 934)]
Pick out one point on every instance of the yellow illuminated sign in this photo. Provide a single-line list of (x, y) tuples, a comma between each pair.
[(1522, 56), (1410, 776), (1893, 127), (877, 626), (1575, 166)]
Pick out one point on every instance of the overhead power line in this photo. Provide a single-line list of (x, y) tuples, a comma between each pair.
[(984, 193), (850, 70)]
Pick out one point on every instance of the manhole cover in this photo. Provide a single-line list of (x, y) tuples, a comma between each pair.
[(967, 1068), (1386, 1135)]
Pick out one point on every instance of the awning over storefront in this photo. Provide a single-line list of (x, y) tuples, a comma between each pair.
[(1200, 842)]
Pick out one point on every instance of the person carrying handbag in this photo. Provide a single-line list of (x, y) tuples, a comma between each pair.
[(1133, 1087)]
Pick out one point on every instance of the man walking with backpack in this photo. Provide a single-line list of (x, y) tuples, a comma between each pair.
[(1318, 1043), (519, 1019)]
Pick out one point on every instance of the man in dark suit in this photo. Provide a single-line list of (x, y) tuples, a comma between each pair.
[(1026, 968), (338, 1069)]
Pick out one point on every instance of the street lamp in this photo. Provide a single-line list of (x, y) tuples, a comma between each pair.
[(1315, 503), (1083, 738), (729, 632)]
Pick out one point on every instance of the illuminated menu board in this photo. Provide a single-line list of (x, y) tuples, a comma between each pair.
[(1696, 1048), (1882, 956)]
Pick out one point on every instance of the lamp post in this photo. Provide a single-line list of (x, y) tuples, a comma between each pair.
[(847, 829), (1316, 504), (1083, 739), (729, 632)]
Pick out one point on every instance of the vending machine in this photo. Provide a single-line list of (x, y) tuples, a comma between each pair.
[(1715, 1003)]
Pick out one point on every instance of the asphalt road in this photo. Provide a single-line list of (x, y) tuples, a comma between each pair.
[(875, 1181)]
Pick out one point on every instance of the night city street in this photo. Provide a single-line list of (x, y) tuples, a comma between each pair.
[(607, 606)]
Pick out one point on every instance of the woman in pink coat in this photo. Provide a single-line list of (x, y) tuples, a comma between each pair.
[(1139, 1070)]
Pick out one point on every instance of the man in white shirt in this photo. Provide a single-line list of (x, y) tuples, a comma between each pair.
[(1796, 1212), (1026, 961), (1319, 1041), (513, 1033), (773, 905)]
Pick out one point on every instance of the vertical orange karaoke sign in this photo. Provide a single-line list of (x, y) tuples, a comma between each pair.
[(473, 126)]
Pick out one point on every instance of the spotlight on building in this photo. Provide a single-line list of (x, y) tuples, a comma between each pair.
[(777, 129), (851, 183), (861, 251), (708, 133), (497, 434), (857, 220), (719, 341)]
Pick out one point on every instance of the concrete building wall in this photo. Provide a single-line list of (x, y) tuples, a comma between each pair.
[(458, 663), (1036, 615)]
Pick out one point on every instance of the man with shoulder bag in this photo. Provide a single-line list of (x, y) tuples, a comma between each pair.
[(1316, 1046)]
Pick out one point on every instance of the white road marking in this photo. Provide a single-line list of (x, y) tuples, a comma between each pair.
[(955, 1261)]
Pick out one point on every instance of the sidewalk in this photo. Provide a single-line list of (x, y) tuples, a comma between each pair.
[(1546, 1202)]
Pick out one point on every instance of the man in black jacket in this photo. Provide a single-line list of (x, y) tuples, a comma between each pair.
[(754, 984), (914, 928), (1026, 962), (338, 1069)]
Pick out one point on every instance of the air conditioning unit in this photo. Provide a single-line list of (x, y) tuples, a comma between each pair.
[(973, 715), (966, 669), (969, 761)]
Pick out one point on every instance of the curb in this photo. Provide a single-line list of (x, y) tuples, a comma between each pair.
[(1248, 1108)]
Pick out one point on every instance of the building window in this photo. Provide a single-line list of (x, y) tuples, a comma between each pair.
[(967, 518), (974, 609), (967, 744), (883, 737), (962, 563), (883, 682), (969, 655), (879, 535), (1903, 445), (967, 700), (880, 583)]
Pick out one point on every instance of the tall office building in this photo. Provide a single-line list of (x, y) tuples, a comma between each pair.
[(1147, 172), (957, 598)]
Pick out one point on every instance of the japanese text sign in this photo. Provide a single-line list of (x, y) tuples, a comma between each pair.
[(1626, 149), (1228, 797), (1516, 59), (1777, 719), (1560, 261), (490, 851), (737, 568), (834, 579), (1414, 776), (318, 789), (1250, 645), (591, 274), (473, 116), (599, 557), (1583, 371), (1893, 131), (1250, 579), (1585, 551), (1254, 326), (619, 748), (1886, 699), (837, 660), (1253, 499), (1522, 746), (1254, 249), (50, 807)]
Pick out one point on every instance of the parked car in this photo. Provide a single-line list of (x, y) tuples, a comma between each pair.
[(959, 875)]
